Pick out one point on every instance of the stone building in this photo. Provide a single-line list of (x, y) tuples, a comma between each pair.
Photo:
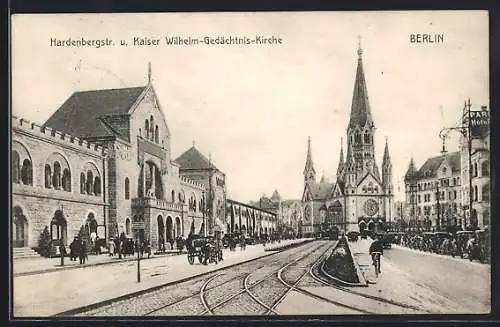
[(433, 192), (57, 183), (360, 197), (104, 157), (195, 166), (249, 219)]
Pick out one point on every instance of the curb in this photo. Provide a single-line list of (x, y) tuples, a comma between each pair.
[(151, 289), (62, 268), (361, 278)]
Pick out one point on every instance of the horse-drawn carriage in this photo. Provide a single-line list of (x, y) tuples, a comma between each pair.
[(206, 249)]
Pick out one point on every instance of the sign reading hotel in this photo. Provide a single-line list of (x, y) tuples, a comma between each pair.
[(479, 124)]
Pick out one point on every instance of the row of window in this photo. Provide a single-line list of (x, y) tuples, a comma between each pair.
[(455, 181), (443, 208), (452, 195), (55, 176), (367, 139), (151, 131), (485, 193)]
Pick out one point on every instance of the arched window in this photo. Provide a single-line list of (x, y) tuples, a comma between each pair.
[(152, 128), (357, 138), (82, 183), (97, 186), (485, 192), (485, 168), (367, 138), (66, 180), (56, 177), (173, 196), (15, 167), (486, 217), (90, 180), (146, 128), (475, 193), (157, 135), (48, 176), (140, 132), (474, 171), (127, 226), (127, 188), (27, 172)]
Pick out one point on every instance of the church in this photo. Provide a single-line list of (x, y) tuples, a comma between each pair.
[(361, 197)]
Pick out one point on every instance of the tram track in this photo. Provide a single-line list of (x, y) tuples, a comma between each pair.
[(317, 277), (185, 297)]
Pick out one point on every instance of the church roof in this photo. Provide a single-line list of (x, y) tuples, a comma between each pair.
[(320, 190), (431, 165), (360, 108), (85, 113), (194, 159), (411, 172)]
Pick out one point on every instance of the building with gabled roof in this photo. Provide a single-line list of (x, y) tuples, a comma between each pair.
[(361, 197), (105, 157)]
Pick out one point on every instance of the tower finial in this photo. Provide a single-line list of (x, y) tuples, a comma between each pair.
[(149, 72), (360, 50)]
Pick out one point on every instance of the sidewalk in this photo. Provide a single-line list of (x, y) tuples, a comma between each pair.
[(39, 265), (443, 256), (39, 295)]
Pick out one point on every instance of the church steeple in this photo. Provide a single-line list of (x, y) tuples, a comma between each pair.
[(360, 108), (341, 161), (387, 169), (309, 172)]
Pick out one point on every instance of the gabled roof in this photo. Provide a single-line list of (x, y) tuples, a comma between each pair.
[(430, 167), (366, 176), (341, 186), (84, 113), (194, 159), (320, 190)]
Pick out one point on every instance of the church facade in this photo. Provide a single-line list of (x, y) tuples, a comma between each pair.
[(361, 197)]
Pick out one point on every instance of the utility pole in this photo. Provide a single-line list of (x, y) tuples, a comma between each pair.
[(438, 206), (469, 139)]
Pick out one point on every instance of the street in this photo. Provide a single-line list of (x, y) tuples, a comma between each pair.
[(281, 283)]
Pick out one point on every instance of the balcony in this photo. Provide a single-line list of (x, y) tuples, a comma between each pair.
[(156, 203)]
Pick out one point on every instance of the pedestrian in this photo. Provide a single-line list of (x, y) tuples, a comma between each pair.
[(82, 252), (111, 247), (73, 249)]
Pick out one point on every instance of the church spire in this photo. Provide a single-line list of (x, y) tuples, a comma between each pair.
[(386, 160), (309, 172), (341, 159), (360, 108)]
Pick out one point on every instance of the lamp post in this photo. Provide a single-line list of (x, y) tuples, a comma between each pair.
[(465, 130), (438, 207)]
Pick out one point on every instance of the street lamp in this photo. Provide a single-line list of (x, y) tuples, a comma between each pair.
[(438, 206), (465, 130)]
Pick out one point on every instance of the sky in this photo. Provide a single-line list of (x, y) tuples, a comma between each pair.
[(252, 107)]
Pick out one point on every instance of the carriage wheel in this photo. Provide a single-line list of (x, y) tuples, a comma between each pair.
[(200, 258), (190, 259)]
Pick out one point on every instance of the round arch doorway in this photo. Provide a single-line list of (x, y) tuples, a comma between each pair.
[(19, 228), (58, 228), (170, 230)]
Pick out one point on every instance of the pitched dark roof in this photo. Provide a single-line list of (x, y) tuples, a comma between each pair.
[(194, 159), (80, 115), (320, 190), (430, 167), (360, 108)]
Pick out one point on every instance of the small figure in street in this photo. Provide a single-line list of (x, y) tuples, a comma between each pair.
[(73, 249), (243, 244), (82, 252), (376, 250), (180, 243), (93, 238), (147, 247)]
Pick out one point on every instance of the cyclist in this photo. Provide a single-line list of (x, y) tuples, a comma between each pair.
[(376, 248)]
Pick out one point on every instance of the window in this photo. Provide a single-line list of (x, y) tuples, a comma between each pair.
[(66, 180), (418, 198), (485, 192), (56, 178), (419, 187), (455, 207), (97, 186), (367, 138), (419, 211), (15, 167), (157, 135), (152, 128), (475, 193), (474, 171), (444, 170), (146, 128), (127, 226), (357, 138), (486, 217), (82, 183), (454, 195), (485, 168), (454, 181), (48, 176), (173, 196), (27, 172), (458, 180), (90, 180), (127, 188)]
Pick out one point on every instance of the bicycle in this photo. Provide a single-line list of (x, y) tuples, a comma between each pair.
[(376, 262)]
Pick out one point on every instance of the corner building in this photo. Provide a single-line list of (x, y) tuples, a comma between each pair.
[(360, 197), (105, 153)]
